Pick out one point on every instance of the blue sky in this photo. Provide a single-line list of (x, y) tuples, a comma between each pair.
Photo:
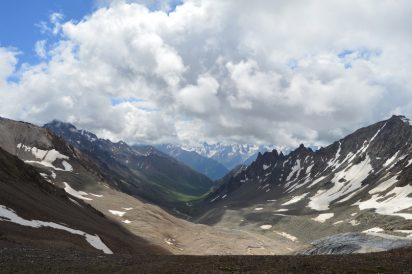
[(239, 70), (18, 20)]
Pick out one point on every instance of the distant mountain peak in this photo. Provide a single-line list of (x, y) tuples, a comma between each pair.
[(230, 155), (61, 124)]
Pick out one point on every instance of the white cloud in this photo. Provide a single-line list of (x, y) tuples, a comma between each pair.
[(40, 48), (8, 62), (237, 71), (54, 25), (202, 98)]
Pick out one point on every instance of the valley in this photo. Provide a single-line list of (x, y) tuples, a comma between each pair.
[(350, 197)]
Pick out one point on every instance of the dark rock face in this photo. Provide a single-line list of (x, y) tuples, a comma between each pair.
[(369, 170), (142, 171)]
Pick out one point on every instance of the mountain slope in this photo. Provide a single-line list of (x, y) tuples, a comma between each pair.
[(207, 166), (35, 213), (356, 184), (142, 171), (79, 175)]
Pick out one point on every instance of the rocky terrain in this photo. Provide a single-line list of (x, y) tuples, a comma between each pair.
[(33, 211), (19, 260), (361, 183), (66, 167), (141, 171), (350, 197)]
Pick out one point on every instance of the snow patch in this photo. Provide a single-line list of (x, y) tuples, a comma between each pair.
[(46, 157), (9, 215), (286, 235), (390, 204), (317, 181), (309, 168), (321, 218), (75, 193), (384, 185), (67, 166), (295, 170), (53, 174), (296, 199), (170, 241), (265, 227), (117, 213), (75, 202), (258, 208), (350, 196), (373, 230), (391, 160), (333, 163)]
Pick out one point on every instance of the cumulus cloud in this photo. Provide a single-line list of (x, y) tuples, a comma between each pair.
[(8, 62), (201, 98), (236, 71)]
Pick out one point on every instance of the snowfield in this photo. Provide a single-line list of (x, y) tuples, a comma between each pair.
[(390, 204), (344, 183), (46, 157)]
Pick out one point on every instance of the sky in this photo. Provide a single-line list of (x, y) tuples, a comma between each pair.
[(234, 71)]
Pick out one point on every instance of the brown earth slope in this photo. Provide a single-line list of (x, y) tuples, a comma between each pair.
[(24, 192)]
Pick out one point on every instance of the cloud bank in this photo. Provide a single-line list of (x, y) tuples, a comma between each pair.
[(274, 72)]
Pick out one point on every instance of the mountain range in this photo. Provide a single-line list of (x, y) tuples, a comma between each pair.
[(354, 195), (214, 160), (207, 166), (89, 181), (361, 183), (142, 171), (229, 155)]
